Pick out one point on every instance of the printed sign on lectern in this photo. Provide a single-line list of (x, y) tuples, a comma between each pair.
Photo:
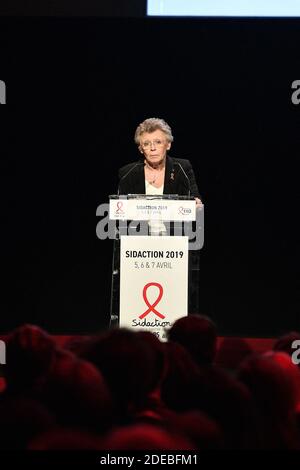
[(153, 282)]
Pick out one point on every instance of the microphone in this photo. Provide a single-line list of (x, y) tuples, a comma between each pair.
[(188, 180), (128, 172)]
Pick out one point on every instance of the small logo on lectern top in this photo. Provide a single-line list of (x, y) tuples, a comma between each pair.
[(184, 211), (119, 210), (2, 92)]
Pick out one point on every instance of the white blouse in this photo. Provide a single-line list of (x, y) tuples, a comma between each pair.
[(156, 227), (150, 189)]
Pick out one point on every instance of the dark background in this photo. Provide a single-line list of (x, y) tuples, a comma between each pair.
[(101, 8), (76, 90)]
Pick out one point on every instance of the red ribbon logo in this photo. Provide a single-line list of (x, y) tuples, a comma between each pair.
[(152, 307), (119, 208)]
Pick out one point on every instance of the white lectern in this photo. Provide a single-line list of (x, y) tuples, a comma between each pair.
[(155, 272)]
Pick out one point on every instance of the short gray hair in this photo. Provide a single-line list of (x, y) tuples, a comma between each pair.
[(151, 125)]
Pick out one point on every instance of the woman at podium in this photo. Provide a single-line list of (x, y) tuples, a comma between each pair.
[(157, 173)]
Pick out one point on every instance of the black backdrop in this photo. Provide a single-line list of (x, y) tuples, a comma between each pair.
[(76, 90), (101, 8)]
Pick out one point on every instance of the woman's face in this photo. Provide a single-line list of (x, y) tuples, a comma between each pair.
[(154, 146)]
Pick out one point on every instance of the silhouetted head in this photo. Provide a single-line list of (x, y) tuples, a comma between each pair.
[(30, 354), (145, 437), (198, 334), (128, 363)]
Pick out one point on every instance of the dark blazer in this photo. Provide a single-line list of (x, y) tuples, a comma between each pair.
[(179, 178)]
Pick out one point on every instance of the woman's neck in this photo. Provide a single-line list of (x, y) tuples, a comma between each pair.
[(158, 166)]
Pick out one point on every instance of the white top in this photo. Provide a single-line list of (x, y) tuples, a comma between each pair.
[(150, 189), (156, 227)]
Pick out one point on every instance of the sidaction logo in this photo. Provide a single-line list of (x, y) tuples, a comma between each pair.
[(2, 352), (2, 92)]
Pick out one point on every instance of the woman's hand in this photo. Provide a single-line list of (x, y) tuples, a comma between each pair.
[(199, 203)]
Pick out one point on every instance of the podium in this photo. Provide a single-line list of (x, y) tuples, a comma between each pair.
[(156, 260)]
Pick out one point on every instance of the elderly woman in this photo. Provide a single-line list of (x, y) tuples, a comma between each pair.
[(157, 173)]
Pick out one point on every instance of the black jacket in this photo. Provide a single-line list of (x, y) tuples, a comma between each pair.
[(179, 178)]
